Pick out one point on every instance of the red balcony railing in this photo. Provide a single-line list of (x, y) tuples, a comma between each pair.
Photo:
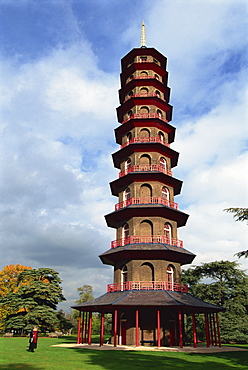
[(143, 77), (142, 95), (145, 116), (144, 168), (147, 200), (152, 139), (140, 239), (147, 285)]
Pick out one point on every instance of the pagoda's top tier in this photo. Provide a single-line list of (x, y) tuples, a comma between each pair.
[(157, 57)]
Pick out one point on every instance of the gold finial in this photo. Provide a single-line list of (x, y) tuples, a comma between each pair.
[(143, 36)]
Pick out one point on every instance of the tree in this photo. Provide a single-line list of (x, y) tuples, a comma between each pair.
[(85, 294), (9, 278), (65, 325), (35, 301), (240, 214), (9, 283), (228, 288)]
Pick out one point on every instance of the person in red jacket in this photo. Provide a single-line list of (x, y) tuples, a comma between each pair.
[(33, 338)]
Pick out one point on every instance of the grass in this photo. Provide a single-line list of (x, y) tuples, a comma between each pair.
[(14, 355)]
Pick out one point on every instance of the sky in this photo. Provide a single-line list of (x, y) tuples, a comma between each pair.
[(59, 81)]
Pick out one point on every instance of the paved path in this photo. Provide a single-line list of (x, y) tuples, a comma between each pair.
[(109, 347)]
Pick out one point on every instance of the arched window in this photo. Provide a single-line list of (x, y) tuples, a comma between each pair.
[(144, 110), (127, 164), (161, 136), (167, 233), (143, 58), (170, 277), (129, 137), (125, 231), (143, 73), (145, 191), (163, 164), (165, 193), (144, 90), (147, 272), (146, 228), (159, 113), (126, 194), (144, 132), (158, 93), (156, 76), (130, 113), (145, 160), (124, 274)]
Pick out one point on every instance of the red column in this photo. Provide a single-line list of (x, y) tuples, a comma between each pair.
[(218, 329), (90, 328), (158, 324), (194, 330), (211, 330), (207, 329), (85, 327), (215, 334), (137, 328), (180, 329), (79, 329), (102, 329), (115, 328), (82, 329)]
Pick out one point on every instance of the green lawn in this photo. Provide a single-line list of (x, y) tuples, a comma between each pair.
[(14, 355)]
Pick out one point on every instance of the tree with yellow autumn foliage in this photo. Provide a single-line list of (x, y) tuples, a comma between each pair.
[(9, 283)]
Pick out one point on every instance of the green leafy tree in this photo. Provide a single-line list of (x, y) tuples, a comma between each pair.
[(35, 302), (227, 287), (65, 325), (85, 294), (239, 214)]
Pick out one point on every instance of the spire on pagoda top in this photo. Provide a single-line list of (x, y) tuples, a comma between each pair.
[(143, 36)]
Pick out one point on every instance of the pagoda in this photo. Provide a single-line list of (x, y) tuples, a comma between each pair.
[(147, 300)]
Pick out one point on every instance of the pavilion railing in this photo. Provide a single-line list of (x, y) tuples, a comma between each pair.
[(153, 139), (144, 95), (147, 285), (144, 168), (145, 116), (146, 239), (147, 200)]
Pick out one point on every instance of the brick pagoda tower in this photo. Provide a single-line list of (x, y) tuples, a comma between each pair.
[(147, 299)]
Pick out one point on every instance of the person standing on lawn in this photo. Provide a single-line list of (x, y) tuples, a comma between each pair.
[(33, 338)]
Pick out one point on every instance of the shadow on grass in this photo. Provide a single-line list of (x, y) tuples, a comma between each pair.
[(162, 360), (20, 366)]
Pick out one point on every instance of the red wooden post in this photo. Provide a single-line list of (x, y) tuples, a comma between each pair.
[(194, 330), (102, 329), (211, 329), (218, 329), (158, 323), (90, 328), (79, 329), (115, 328), (180, 329), (207, 329), (215, 334), (82, 329), (85, 327), (137, 328)]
